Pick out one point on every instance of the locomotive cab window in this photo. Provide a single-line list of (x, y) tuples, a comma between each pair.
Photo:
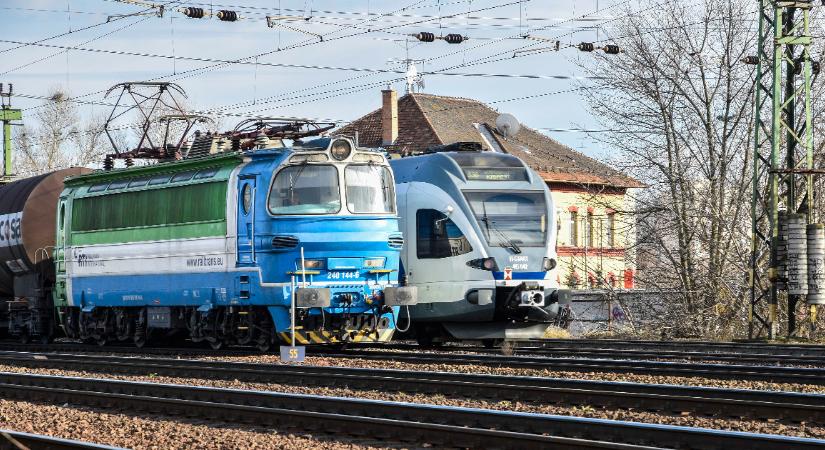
[(369, 189), (246, 198), (438, 236), (305, 189)]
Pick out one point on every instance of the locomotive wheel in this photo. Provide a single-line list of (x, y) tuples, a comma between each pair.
[(216, 344)]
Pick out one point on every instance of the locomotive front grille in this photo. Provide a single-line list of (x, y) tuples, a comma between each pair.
[(284, 242), (396, 241)]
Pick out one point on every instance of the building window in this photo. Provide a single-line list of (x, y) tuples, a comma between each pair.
[(574, 229), (611, 229), (438, 236), (590, 232)]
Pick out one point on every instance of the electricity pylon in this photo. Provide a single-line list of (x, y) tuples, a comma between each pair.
[(780, 179)]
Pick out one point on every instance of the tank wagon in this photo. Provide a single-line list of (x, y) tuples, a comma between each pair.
[(216, 248), (28, 211), (480, 246)]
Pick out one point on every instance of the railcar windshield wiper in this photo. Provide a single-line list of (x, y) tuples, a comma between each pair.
[(491, 226)]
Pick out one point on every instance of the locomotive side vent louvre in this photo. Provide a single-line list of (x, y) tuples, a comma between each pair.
[(284, 242), (396, 241)]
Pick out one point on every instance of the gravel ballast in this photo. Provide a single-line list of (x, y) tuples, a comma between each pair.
[(128, 431)]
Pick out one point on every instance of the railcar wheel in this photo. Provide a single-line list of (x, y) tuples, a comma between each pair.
[(45, 339), (139, 340), (25, 338), (491, 343), (102, 341), (216, 344)]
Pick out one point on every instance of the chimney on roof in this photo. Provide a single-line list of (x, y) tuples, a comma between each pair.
[(389, 116)]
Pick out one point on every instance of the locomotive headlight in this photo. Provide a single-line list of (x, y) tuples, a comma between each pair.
[(316, 264), (549, 264), (374, 263), (341, 149), (484, 264)]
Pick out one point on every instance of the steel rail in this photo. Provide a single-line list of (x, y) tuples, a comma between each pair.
[(773, 374), (670, 399), (439, 425), (761, 348), (18, 440)]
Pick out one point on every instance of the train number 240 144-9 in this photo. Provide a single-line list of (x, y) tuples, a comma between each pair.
[(343, 275)]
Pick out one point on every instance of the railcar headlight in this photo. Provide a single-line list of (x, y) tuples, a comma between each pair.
[(374, 263), (484, 264), (549, 264), (312, 263), (341, 149)]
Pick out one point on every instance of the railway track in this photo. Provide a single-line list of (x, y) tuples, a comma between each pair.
[(402, 422), (607, 363), (571, 350), (743, 348), (21, 441), (667, 399), (772, 374)]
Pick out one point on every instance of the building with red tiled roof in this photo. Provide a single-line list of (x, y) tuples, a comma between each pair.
[(593, 213)]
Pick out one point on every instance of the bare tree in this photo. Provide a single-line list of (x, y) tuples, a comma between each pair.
[(682, 100), (58, 138)]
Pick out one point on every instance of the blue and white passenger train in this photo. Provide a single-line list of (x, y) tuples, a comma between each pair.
[(480, 246)]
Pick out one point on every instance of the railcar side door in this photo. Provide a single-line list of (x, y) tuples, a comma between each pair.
[(246, 220)]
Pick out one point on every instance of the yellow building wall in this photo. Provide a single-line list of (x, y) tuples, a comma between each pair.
[(595, 237)]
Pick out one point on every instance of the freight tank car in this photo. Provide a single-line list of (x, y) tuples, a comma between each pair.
[(217, 247), (481, 246), (27, 217)]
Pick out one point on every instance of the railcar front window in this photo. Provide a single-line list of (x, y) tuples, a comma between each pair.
[(511, 219), (369, 189), (305, 189)]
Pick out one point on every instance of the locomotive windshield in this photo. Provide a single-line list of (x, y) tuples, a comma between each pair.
[(510, 219), (369, 189), (305, 189)]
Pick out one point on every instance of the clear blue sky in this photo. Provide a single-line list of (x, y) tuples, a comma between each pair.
[(378, 36)]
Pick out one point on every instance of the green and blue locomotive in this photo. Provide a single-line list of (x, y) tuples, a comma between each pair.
[(218, 248)]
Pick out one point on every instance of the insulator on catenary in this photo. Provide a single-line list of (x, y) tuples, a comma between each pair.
[(227, 16), (797, 255), (815, 67), (753, 60), (454, 38), (816, 264), (587, 47), (108, 163), (425, 36), (612, 49), (782, 251), (195, 13)]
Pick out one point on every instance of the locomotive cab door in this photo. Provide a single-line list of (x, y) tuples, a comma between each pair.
[(246, 221)]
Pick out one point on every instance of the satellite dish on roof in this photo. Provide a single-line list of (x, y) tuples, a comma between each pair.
[(507, 125)]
